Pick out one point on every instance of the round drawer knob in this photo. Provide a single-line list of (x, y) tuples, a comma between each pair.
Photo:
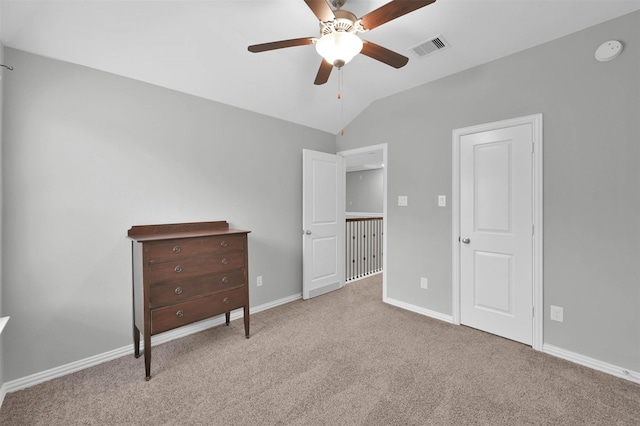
[(178, 290), (178, 269), (180, 314), (224, 244), (177, 249), (225, 261), (224, 280), (225, 300)]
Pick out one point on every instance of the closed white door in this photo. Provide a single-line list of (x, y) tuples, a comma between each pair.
[(496, 228), (323, 222)]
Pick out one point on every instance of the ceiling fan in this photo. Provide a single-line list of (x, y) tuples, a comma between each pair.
[(339, 43)]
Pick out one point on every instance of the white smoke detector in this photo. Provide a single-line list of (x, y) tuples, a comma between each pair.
[(609, 50)]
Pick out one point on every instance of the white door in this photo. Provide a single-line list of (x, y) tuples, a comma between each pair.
[(323, 222), (496, 264)]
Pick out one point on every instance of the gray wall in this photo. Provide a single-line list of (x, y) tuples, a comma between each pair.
[(364, 191), (87, 155), (591, 180), (2, 72)]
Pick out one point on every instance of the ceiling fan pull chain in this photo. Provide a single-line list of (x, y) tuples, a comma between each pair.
[(340, 85)]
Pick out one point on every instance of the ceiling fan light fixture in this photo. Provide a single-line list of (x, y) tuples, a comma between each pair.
[(339, 47)]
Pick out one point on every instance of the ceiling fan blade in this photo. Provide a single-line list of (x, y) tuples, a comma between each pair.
[(383, 54), (255, 48), (391, 11), (321, 9), (323, 73)]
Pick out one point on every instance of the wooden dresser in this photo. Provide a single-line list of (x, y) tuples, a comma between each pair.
[(183, 273)]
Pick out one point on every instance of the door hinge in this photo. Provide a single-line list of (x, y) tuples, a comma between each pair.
[(533, 229), (533, 311), (533, 147)]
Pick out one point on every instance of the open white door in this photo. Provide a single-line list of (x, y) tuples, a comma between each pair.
[(323, 186)]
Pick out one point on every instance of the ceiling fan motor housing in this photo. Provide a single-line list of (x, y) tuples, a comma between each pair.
[(344, 21)]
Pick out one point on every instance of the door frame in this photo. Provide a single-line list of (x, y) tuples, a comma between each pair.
[(385, 256), (535, 121)]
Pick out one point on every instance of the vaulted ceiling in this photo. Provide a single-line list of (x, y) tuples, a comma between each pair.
[(200, 47)]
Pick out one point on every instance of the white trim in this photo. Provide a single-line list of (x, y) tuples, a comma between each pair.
[(3, 387), (538, 243), (419, 310), (537, 194), (3, 322), (275, 304), (385, 175), (595, 364), (63, 370), (72, 367), (455, 230), (363, 214), (3, 392)]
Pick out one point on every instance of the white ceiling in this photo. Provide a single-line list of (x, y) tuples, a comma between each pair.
[(200, 47)]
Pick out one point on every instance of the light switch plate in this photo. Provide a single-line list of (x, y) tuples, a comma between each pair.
[(442, 200), (424, 283), (403, 200)]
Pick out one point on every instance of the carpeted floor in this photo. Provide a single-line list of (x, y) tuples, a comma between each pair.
[(344, 358)]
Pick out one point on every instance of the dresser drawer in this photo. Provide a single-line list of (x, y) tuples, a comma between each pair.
[(169, 317), (180, 248), (194, 266), (171, 292)]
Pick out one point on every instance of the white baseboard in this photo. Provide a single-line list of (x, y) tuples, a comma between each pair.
[(419, 310), (3, 392), (595, 364), (72, 367)]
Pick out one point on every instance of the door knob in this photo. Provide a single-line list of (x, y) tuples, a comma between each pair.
[(307, 232), (466, 240)]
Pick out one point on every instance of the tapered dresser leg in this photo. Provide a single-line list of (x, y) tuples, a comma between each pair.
[(147, 356), (246, 321), (227, 317), (136, 342)]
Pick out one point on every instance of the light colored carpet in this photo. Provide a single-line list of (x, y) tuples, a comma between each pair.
[(344, 358)]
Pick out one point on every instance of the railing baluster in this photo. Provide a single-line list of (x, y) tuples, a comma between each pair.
[(363, 247)]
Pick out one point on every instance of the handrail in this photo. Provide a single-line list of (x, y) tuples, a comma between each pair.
[(357, 219)]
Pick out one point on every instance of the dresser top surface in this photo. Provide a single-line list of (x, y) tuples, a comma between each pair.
[(181, 230)]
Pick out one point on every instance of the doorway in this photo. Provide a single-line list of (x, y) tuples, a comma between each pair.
[(372, 158), (497, 228)]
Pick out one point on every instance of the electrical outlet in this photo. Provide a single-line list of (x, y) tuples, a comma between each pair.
[(259, 280), (403, 200), (557, 313), (424, 283)]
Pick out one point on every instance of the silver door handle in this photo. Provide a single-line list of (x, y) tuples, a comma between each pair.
[(307, 232), (466, 240)]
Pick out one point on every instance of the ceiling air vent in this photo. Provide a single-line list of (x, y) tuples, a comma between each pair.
[(430, 46)]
